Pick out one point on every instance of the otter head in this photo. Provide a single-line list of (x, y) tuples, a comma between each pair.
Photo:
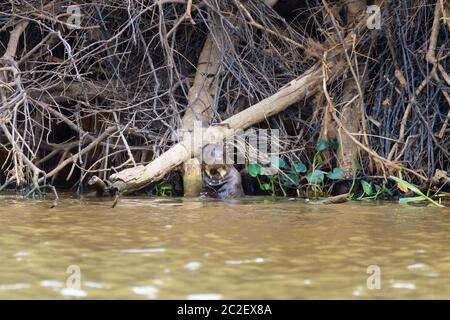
[(212, 154)]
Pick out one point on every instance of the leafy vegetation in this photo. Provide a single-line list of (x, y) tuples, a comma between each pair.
[(374, 191), (290, 175), (420, 195), (164, 190), (313, 178)]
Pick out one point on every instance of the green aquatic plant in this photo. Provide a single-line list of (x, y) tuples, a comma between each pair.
[(268, 186), (316, 176), (373, 191), (336, 174), (256, 171), (420, 195), (321, 145), (367, 188), (299, 167), (253, 169), (290, 176), (164, 190)]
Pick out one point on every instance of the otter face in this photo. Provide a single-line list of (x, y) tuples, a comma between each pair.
[(216, 174)]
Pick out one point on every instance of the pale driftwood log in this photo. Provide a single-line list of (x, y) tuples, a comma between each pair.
[(342, 198), (303, 87), (201, 97)]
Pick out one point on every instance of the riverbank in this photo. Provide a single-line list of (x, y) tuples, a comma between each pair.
[(351, 90)]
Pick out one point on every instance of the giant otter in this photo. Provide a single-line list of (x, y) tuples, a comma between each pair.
[(222, 181)]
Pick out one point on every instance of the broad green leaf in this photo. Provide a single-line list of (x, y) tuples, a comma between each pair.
[(290, 180), (337, 174), (414, 189), (254, 169), (315, 177), (278, 161), (411, 199), (408, 185), (321, 145), (265, 186), (367, 187), (300, 167)]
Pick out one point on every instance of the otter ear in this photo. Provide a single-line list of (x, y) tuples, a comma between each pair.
[(222, 171)]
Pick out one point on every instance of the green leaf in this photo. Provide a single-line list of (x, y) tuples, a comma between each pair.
[(317, 161), (315, 177), (278, 161), (337, 174), (321, 145), (414, 189), (290, 180), (253, 169), (367, 187), (300, 167), (408, 185), (411, 199), (388, 191), (265, 186), (358, 165)]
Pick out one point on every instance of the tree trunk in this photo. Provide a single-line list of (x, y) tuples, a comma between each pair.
[(200, 98), (351, 111), (350, 118)]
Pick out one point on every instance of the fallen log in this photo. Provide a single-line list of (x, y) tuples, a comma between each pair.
[(342, 198)]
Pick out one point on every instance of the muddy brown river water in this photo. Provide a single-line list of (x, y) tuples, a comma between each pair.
[(253, 249)]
